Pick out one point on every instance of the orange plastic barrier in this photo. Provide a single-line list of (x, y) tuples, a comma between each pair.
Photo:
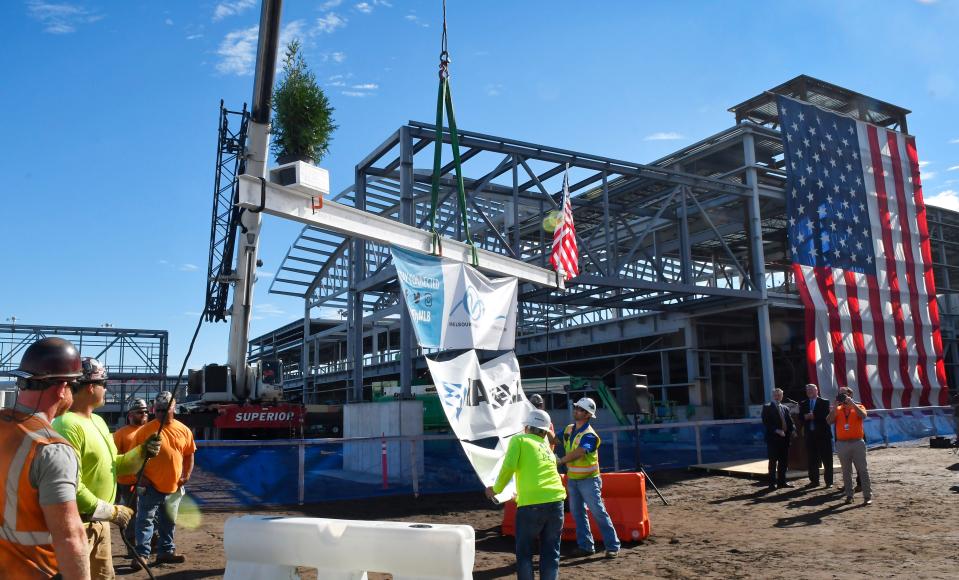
[(624, 495)]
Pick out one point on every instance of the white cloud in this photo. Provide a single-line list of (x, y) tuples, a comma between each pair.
[(948, 199), (494, 90), (267, 309), (330, 4), (924, 163), (264, 274), (664, 136), (927, 175), (194, 36), (237, 52), (364, 7), (953, 168), (335, 56), (226, 9), (168, 22), (382, 3), (416, 20), (954, 141), (329, 23), (355, 94), (189, 267), (366, 87), (336, 81), (60, 18)]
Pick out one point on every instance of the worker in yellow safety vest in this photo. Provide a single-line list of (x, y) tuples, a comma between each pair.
[(584, 484), (41, 535)]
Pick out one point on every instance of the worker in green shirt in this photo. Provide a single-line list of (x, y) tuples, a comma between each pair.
[(539, 497), (99, 465)]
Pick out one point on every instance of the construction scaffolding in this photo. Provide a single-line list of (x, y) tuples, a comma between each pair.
[(685, 275)]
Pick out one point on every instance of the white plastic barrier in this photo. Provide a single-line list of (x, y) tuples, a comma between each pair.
[(270, 548)]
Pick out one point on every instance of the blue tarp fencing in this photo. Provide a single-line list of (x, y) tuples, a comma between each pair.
[(238, 474)]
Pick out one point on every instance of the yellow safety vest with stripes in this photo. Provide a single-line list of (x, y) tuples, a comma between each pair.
[(587, 465)]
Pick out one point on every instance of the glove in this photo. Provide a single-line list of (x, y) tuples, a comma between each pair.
[(151, 447), (121, 515)]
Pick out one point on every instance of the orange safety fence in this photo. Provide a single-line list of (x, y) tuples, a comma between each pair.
[(624, 495)]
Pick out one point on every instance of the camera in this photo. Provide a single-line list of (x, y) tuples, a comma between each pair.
[(841, 398)]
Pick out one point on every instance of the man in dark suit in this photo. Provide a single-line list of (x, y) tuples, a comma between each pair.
[(779, 431), (818, 435)]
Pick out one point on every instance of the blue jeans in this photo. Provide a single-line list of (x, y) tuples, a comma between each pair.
[(543, 521), (151, 507), (587, 493)]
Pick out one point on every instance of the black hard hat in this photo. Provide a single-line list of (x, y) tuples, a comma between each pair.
[(48, 358)]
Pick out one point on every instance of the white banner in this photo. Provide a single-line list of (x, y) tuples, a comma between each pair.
[(454, 306), (482, 401)]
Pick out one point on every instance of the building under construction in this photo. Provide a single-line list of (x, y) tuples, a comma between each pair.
[(684, 276)]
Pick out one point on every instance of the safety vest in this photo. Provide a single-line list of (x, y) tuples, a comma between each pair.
[(26, 549), (587, 465)]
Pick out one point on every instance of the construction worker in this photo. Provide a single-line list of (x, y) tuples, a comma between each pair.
[(162, 476), (584, 484), (41, 534), (123, 438), (536, 400), (99, 462), (539, 497)]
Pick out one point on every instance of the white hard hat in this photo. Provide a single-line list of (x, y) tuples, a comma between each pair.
[(587, 405), (538, 419)]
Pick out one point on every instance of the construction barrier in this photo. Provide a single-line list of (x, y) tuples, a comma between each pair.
[(270, 548), (624, 495)]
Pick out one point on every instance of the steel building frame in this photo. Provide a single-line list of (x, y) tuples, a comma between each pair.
[(666, 249), (136, 359)]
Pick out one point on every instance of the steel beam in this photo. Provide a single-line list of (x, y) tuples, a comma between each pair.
[(338, 218)]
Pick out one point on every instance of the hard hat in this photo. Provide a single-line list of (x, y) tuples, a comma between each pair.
[(47, 358), (538, 419), (536, 400), (162, 402), (137, 405), (93, 371), (587, 405)]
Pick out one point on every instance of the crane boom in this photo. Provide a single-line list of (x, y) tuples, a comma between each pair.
[(257, 149)]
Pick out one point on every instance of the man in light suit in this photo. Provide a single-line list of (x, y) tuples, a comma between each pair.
[(779, 431), (818, 435)]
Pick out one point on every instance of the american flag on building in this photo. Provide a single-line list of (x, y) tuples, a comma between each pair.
[(565, 254), (860, 250)]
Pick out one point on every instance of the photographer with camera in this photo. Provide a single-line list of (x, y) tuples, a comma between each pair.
[(848, 415)]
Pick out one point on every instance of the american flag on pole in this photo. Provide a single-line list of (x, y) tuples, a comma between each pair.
[(860, 250), (565, 254)]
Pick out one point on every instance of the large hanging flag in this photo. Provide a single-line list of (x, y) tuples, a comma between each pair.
[(454, 306), (860, 250), (565, 254)]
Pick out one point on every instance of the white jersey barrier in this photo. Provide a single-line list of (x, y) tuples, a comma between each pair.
[(270, 548)]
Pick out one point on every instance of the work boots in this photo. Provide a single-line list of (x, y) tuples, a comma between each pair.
[(170, 558)]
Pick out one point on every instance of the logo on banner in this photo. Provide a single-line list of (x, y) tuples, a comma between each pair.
[(453, 397), (502, 395)]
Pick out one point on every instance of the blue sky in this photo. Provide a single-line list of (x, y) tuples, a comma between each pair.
[(111, 111)]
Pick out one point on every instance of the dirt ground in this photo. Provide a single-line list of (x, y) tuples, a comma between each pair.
[(715, 526)]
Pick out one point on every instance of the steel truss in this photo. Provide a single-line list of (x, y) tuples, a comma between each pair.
[(666, 249), (136, 359)]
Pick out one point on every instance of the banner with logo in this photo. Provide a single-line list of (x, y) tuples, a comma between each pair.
[(453, 306), (481, 400)]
